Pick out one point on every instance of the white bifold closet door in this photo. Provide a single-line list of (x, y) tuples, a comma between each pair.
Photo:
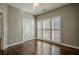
[(28, 29)]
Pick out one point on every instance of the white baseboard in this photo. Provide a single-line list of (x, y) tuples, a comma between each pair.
[(76, 47), (14, 44), (67, 45)]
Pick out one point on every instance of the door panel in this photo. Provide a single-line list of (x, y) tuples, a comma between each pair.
[(27, 29)]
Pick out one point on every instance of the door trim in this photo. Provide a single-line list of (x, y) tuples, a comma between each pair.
[(4, 30)]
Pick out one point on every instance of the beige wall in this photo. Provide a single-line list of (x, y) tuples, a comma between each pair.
[(15, 24), (70, 21)]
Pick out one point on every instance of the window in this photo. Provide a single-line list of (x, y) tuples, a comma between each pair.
[(40, 32), (56, 28), (46, 29), (50, 29)]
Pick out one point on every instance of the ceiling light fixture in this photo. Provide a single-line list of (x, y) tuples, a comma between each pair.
[(35, 4)]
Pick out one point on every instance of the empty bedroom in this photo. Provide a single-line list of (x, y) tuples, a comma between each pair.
[(39, 29)]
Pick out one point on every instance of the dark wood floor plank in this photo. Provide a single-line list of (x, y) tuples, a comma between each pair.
[(37, 47)]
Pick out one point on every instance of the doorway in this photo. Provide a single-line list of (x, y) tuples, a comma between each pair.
[(1, 31)]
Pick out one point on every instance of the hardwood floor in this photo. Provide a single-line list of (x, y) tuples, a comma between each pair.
[(36, 47)]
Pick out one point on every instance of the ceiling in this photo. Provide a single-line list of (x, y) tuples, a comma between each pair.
[(43, 7)]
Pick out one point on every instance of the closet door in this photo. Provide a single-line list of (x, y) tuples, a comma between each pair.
[(40, 29), (27, 29), (46, 29)]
